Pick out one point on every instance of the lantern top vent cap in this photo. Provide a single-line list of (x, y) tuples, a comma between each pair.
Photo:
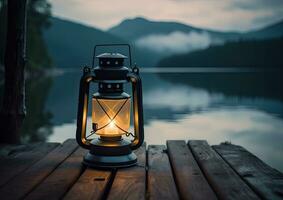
[(112, 55)]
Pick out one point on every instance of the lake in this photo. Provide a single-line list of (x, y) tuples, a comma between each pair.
[(244, 107)]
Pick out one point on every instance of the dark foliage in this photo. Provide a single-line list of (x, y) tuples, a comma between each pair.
[(37, 125), (262, 53), (37, 21)]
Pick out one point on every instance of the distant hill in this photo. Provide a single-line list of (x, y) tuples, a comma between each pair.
[(133, 29), (163, 39), (272, 31), (71, 44), (256, 53), (160, 39)]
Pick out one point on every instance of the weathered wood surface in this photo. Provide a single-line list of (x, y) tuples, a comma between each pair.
[(58, 182), (15, 159), (161, 183), (189, 178), (180, 171), (266, 181), (22, 184), (92, 185), (129, 183), (225, 182)]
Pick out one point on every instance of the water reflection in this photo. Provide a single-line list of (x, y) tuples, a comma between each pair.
[(245, 108), (37, 125), (180, 98), (250, 84), (259, 132)]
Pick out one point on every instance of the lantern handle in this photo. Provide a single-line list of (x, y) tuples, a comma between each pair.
[(83, 108), (109, 45), (137, 109)]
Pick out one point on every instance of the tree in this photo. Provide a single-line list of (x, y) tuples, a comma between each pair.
[(38, 19), (13, 106), (38, 15)]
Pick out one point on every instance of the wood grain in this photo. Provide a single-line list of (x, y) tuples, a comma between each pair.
[(17, 158), (161, 183), (189, 178), (266, 181), (26, 181), (222, 178), (91, 185), (129, 183), (193, 171), (58, 182)]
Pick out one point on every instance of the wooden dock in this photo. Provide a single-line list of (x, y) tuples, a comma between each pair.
[(179, 170)]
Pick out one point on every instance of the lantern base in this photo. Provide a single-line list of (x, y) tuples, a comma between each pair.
[(110, 153), (105, 162)]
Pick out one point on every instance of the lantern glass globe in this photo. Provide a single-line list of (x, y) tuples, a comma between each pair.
[(111, 117)]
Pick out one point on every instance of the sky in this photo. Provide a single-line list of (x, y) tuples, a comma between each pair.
[(224, 15)]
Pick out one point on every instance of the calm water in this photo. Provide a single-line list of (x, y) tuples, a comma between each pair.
[(245, 108)]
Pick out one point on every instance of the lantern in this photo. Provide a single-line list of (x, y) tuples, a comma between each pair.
[(111, 111)]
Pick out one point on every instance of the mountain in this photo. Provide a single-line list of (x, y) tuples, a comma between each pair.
[(273, 31), (71, 44), (163, 39), (157, 40), (133, 29), (254, 53), (136, 28)]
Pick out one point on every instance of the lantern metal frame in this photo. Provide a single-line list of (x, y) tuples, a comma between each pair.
[(110, 152)]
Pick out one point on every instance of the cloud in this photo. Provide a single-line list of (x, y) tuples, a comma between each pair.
[(256, 4), (175, 42), (216, 14)]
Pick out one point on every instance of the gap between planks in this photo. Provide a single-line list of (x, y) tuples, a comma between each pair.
[(17, 159), (263, 179), (60, 180), (128, 183), (160, 174), (189, 178), (222, 178), (25, 182)]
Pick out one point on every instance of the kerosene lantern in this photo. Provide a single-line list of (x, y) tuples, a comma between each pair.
[(111, 110)]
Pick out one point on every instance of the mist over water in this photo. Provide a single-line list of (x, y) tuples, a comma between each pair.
[(176, 42)]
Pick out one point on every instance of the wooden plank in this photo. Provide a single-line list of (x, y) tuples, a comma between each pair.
[(16, 159), (58, 182), (189, 178), (222, 178), (91, 185), (23, 183), (129, 183), (161, 183), (264, 180)]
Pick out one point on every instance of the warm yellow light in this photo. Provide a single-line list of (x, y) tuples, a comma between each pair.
[(111, 116), (111, 129), (112, 124)]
